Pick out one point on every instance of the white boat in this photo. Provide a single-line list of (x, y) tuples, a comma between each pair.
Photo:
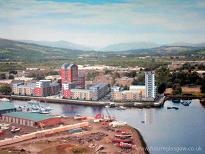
[(15, 129), (5, 100), (43, 111), (107, 106), (117, 123), (33, 101), (121, 108)]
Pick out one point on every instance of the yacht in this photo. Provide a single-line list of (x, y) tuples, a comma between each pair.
[(4, 100)]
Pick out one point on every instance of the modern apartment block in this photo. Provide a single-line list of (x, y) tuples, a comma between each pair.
[(69, 73), (99, 90), (70, 79), (135, 93), (39, 88), (145, 92), (23, 89), (150, 85), (93, 93), (46, 88)]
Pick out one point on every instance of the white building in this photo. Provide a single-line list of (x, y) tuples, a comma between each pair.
[(150, 85)]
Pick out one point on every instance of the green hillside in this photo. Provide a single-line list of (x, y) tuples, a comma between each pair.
[(15, 50)]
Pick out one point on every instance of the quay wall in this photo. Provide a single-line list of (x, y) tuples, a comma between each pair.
[(156, 104)]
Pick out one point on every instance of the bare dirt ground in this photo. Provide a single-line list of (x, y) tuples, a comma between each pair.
[(186, 90), (95, 139)]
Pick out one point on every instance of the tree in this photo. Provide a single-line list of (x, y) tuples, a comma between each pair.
[(131, 74), (2, 76), (13, 72), (203, 88), (11, 77), (5, 89), (126, 87), (161, 88), (177, 90), (113, 81)]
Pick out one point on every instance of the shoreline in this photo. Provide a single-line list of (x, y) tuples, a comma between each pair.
[(156, 104), (144, 144), (61, 138)]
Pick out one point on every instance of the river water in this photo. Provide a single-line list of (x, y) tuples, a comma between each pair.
[(164, 131)]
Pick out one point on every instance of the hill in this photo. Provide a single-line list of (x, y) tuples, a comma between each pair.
[(60, 44), (129, 46), (15, 50)]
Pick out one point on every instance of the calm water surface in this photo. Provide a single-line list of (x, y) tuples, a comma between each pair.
[(164, 131)]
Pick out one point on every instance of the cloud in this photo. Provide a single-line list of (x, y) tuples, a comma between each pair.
[(103, 23)]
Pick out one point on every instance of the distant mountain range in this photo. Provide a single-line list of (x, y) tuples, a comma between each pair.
[(129, 46), (18, 50), (113, 47), (59, 44)]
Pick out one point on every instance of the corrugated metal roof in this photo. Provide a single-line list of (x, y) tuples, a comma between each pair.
[(29, 116), (6, 106)]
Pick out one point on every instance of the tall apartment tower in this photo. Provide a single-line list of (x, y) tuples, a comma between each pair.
[(70, 79), (150, 85), (69, 73)]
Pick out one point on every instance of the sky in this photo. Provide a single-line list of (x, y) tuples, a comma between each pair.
[(98, 23)]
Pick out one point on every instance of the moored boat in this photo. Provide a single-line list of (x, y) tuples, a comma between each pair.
[(5, 100), (176, 100), (121, 108), (173, 107), (79, 117), (15, 129), (186, 102), (123, 136), (124, 145), (122, 140)]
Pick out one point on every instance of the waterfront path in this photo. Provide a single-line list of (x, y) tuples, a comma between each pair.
[(157, 103)]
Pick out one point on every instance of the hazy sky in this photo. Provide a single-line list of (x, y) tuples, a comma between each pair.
[(98, 23)]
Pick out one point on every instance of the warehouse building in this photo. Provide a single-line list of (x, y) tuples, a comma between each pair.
[(6, 107), (31, 119)]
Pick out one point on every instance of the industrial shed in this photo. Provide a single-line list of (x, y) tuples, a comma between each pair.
[(31, 119), (6, 107)]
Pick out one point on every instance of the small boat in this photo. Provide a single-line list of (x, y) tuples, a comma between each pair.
[(5, 100), (33, 101), (112, 105), (123, 136), (122, 140), (173, 107), (186, 102), (117, 123), (176, 100), (124, 145), (43, 111), (15, 129), (107, 106), (121, 108), (79, 117)]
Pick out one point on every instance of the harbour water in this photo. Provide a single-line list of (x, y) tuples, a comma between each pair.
[(164, 131)]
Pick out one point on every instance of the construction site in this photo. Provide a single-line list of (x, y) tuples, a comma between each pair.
[(78, 134)]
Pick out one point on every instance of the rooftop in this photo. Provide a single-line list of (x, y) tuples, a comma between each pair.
[(65, 66), (99, 85), (29, 116), (6, 106)]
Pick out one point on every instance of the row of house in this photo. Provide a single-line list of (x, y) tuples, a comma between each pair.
[(40, 88)]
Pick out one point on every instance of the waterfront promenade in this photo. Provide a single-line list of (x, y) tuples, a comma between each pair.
[(159, 102)]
